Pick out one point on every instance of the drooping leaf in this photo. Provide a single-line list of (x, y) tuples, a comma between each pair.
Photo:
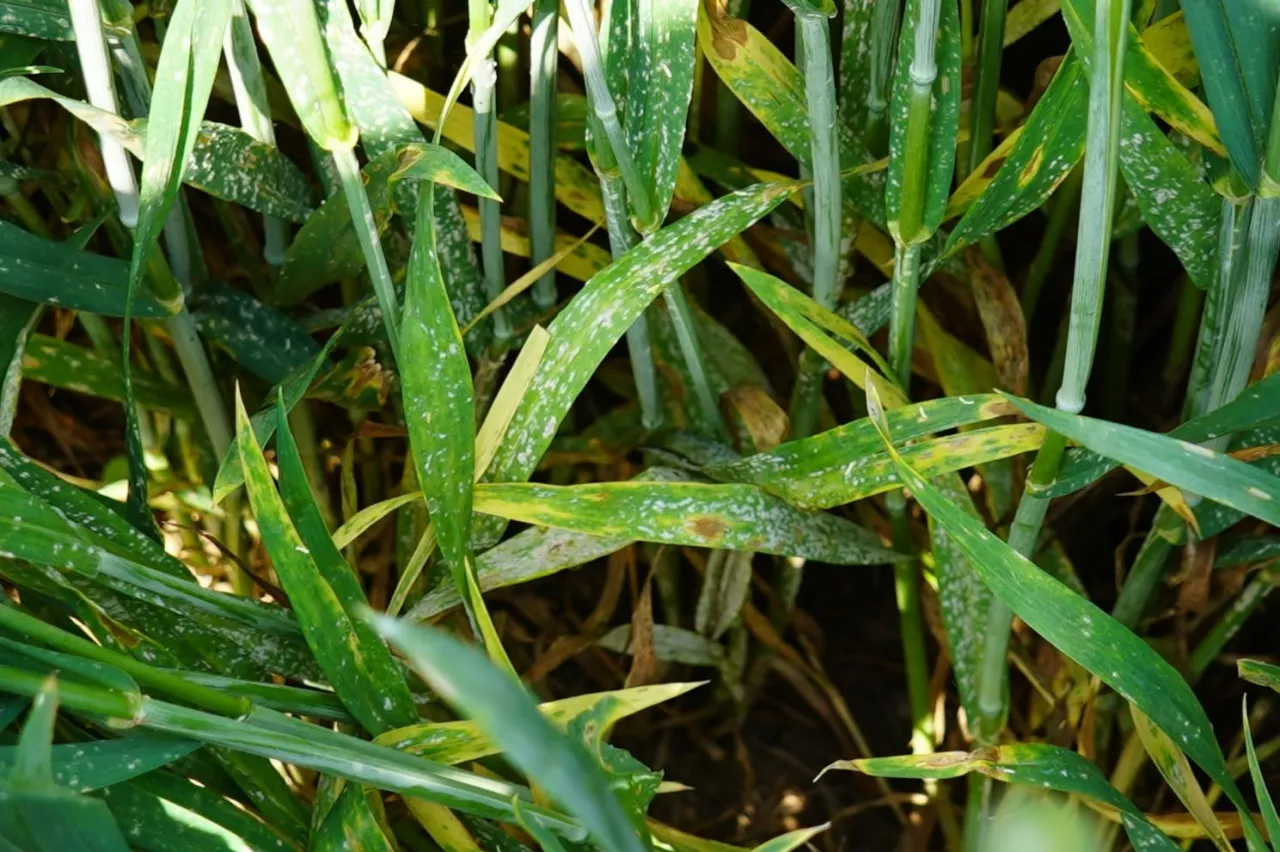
[(65, 365), (463, 741), (532, 553), (1077, 628), (736, 517), (594, 320), (1047, 148), (1036, 764), (505, 711), (845, 464), (351, 655), (86, 766), (291, 740), (1197, 469), (804, 316), (52, 273), (1255, 405)]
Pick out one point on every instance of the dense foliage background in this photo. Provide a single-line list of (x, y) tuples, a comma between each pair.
[(567, 426)]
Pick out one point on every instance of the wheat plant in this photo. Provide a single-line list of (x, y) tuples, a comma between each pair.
[(407, 405)]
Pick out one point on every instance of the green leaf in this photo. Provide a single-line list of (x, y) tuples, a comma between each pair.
[(54, 821), (1263, 674), (291, 33), (1147, 80), (65, 365), (53, 273), (100, 763), (161, 812), (696, 514), (463, 741), (808, 319), (220, 158), (757, 73), (792, 839), (294, 387), (353, 659), (529, 555), (326, 247), (18, 318), (422, 161), (39, 534), (1237, 46), (847, 463), (1034, 764), (290, 740), (1178, 205), (1048, 147), (1192, 467), (962, 598), (1078, 629), (1256, 404), (228, 163), (943, 123), (43, 19), (504, 709), (263, 340), (1270, 819), (188, 63), (32, 767), (351, 824), (439, 402), (545, 839), (653, 43), (597, 317)]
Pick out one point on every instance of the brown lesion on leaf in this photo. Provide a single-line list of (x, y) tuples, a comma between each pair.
[(727, 34), (707, 527), (1032, 168)]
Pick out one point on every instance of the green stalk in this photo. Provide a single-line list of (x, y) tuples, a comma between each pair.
[(99, 85), (241, 52), (1249, 289), (687, 335), (367, 233), (167, 682), (906, 283), (582, 21), (1233, 229), (1148, 566), (909, 235), (622, 238), (822, 203), (1093, 246), (79, 697), (96, 70), (1225, 628), (484, 80), (544, 60), (614, 189), (884, 38), (1182, 338), (728, 107), (1061, 215), (986, 85)]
